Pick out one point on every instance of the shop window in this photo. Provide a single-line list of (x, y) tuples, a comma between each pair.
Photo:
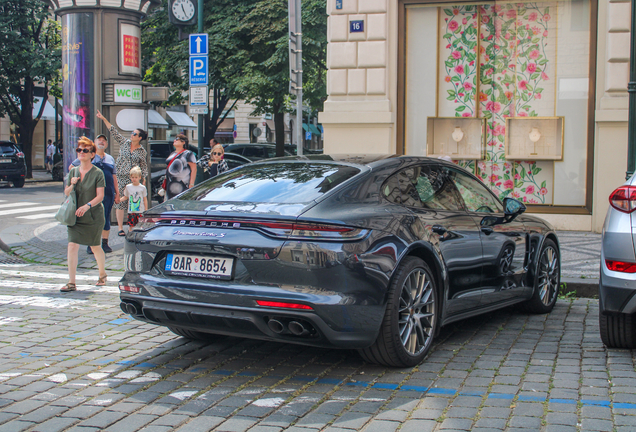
[(502, 61)]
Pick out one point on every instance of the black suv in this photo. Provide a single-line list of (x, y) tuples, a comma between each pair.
[(12, 164)]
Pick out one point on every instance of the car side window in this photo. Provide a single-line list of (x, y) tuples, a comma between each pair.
[(252, 152), (427, 186), (477, 198)]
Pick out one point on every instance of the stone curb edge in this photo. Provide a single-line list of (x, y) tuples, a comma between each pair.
[(587, 288)]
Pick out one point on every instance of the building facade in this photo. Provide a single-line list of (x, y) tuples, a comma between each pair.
[(530, 97)]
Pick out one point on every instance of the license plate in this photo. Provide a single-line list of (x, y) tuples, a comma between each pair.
[(200, 266), (5, 160)]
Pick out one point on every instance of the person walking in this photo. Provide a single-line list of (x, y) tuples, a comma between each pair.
[(131, 154), (50, 152), (106, 163), (213, 164), (182, 168), (88, 182)]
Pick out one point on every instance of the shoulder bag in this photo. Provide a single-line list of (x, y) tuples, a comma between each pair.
[(66, 213)]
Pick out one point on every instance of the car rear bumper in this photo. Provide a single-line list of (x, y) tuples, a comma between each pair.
[(12, 173), (331, 323), (616, 290)]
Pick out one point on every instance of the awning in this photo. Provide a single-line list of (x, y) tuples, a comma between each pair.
[(156, 121), (181, 120), (48, 113), (311, 128)]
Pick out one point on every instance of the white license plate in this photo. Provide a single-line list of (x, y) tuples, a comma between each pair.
[(200, 266), (5, 160)]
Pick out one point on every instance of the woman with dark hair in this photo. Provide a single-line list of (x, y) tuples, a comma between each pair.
[(88, 182), (182, 168), (131, 154)]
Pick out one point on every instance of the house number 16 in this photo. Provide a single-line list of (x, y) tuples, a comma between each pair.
[(356, 26)]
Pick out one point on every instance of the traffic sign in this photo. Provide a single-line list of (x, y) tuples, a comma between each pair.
[(307, 135), (198, 71), (199, 44), (198, 110), (199, 96)]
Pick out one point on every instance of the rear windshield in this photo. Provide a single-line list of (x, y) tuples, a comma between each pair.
[(6, 148), (272, 183)]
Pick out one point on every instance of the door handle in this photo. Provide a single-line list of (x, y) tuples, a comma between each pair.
[(438, 229), (487, 230)]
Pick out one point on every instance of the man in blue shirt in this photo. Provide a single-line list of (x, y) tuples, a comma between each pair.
[(106, 163)]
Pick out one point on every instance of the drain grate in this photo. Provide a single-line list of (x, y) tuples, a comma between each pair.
[(9, 259)]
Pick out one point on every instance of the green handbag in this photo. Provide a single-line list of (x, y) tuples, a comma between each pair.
[(66, 213)]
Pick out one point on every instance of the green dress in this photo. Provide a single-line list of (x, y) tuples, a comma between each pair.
[(88, 228)]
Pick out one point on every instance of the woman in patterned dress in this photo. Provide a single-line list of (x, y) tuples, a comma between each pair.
[(131, 154), (181, 168)]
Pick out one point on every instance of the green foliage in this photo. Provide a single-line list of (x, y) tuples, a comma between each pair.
[(249, 57), (30, 54)]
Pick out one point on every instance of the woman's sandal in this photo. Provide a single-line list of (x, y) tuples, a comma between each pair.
[(101, 281), (121, 233), (68, 287)]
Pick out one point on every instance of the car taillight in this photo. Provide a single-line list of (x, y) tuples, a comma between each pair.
[(283, 305), (129, 288), (145, 223), (20, 154), (621, 266), (623, 199)]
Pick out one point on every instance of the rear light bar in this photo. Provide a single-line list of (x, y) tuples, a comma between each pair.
[(623, 199), (621, 266), (130, 288), (288, 230), (283, 305)]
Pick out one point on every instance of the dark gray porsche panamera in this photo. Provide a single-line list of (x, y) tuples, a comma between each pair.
[(373, 253)]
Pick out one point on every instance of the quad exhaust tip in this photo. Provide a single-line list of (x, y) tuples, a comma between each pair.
[(276, 326), (293, 327), (297, 329)]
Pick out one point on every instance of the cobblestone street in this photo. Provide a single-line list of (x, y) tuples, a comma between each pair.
[(76, 362)]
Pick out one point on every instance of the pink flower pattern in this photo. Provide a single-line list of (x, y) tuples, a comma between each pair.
[(514, 65)]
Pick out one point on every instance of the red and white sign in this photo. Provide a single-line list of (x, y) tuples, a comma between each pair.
[(130, 49)]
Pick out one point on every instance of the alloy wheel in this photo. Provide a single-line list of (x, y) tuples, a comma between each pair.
[(548, 275), (416, 313)]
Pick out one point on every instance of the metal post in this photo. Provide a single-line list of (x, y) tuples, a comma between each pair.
[(201, 125), (631, 88), (299, 75)]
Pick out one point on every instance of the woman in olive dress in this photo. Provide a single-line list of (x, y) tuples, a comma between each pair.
[(88, 182), (131, 154)]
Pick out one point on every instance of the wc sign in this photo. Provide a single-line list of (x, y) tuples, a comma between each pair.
[(128, 93)]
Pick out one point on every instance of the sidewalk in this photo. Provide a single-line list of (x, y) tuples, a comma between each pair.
[(40, 175), (580, 253)]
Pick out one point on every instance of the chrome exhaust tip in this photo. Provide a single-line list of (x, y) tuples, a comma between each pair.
[(297, 328), (276, 326)]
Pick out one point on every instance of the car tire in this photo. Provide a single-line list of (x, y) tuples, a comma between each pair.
[(617, 330), (191, 334), (410, 320), (547, 280), (18, 183)]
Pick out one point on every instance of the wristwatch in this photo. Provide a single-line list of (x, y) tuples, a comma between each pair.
[(89, 204)]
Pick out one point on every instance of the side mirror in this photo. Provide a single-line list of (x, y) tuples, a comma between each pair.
[(512, 207)]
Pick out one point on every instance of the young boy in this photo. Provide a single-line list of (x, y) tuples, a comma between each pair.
[(137, 197)]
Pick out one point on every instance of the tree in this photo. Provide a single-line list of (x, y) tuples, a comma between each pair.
[(264, 54), (30, 56), (249, 57)]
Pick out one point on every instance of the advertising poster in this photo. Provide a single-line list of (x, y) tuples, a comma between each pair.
[(129, 49), (78, 77)]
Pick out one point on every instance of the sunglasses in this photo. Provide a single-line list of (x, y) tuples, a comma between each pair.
[(217, 154), (134, 134), (82, 150)]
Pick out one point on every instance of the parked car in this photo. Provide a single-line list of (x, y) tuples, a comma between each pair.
[(292, 149), (12, 164), (373, 253), (617, 284), (253, 151)]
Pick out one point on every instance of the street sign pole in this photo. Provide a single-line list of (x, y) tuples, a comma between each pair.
[(200, 126), (296, 66)]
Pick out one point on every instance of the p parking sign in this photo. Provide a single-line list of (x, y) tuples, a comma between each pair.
[(198, 71)]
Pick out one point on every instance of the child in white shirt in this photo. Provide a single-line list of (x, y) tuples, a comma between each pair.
[(137, 197)]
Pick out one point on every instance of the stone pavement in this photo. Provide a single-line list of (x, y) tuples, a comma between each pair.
[(75, 362)]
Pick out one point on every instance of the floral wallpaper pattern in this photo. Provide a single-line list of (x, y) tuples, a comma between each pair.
[(497, 63)]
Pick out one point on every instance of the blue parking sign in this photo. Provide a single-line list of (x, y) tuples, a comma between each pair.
[(198, 71), (307, 135)]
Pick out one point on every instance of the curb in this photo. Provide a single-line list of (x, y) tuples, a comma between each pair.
[(586, 288)]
